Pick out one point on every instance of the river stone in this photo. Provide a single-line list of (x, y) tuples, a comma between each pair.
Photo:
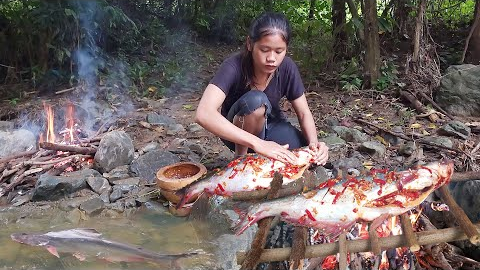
[(92, 206), (121, 172), (459, 91), (440, 140), (333, 142), (50, 188), (156, 119), (99, 184), (147, 165), (351, 134), (134, 181), (115, 149), (12, 142)]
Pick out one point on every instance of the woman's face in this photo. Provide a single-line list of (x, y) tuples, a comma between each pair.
[(268, 53)]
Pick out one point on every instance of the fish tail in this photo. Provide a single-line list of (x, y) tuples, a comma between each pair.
[(248, 219), (200, 208), (185, 196)]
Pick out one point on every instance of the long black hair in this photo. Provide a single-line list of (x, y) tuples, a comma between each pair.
[(267, 23)]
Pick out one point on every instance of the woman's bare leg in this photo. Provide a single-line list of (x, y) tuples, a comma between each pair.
[(252, 123)]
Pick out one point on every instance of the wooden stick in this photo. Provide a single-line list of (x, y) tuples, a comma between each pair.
[(363, 245), (435, 105), (258, 243), (462, 219), (65, 90), (342, 250), (374, 239), (68, 148), (418, 105), (19, 155), (299, 245), (465, 176), (17, 180), (410, 236), (299, 185)]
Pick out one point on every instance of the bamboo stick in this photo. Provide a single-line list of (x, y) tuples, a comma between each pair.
[(462, 219), (374, 240), (258, 242), (342, 250), (407, 230), (363, 245)]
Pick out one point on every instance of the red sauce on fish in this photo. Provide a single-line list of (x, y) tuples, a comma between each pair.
[(310, 216)]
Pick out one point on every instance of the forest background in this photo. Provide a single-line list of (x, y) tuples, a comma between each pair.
[(343, 44)]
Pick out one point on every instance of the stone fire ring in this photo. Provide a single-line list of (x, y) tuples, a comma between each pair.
[(179, 175)]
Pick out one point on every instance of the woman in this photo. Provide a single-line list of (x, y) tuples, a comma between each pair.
[(248, 88)]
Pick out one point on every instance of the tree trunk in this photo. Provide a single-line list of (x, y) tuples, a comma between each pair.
[(401, 9), (472, 44), (372, 50), (310, 17), (418, 31), (353, 10), (339, 34)]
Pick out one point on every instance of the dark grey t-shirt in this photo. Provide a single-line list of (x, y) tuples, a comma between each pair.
[(285, 83)]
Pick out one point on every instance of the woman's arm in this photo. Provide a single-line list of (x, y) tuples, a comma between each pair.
[(307, 125), (209, 117)]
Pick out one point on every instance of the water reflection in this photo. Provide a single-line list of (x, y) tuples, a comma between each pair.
[(151, 228)]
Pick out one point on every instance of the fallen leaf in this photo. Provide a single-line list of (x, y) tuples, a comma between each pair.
[(187, 107), (145, 124), (415, 125)]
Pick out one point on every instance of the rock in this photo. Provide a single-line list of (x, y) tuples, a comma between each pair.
[(133, 181), (156, 119), (99, 184), (105, 196), (444, 141), (150, 147), (194, 127), (351, 134), (115, 149), (348, 163), (52, 188), (333, 142), (174, 129), (92, 206), (459, 91), (407, 148), (373, 148), (75, 216), (121, 172), (455, 128), (6, 126), (466, 196), (12, 142), (146, 166)]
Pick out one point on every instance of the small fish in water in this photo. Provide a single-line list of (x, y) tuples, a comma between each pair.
[(338, 204), (251, 172), (87, 243)]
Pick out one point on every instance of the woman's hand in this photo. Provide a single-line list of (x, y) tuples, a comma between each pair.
[(276, 151), (321, 152)]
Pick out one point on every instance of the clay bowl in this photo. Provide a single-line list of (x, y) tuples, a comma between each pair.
[(180, 212), (170, 195), (179, 175)]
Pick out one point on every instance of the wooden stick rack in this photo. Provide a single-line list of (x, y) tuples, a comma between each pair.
[(409, 238)]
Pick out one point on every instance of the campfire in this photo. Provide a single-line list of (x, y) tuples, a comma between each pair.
[(60, 150)]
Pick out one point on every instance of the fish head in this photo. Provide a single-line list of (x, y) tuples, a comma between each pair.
[(413, 186), (432, 175), (30, 239)]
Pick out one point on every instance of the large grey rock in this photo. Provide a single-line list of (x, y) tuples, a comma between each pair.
[(6, 126), (146, 166), (466, 195), (50, 188), (459, 91), (16, 141), (351, 134), (115, 149)]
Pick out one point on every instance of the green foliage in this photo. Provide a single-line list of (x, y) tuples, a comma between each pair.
[(350, 77), (388, 75)]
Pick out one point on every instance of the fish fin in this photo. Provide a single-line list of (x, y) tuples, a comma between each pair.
[(200, 208), (88, 232), (53, 251), (184, 195), (80, 256)]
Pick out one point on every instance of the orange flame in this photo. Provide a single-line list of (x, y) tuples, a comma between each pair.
[(50, 132), (69, 123)]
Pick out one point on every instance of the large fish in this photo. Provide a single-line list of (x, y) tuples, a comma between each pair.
[(87, 243), (338, 203), (251, 172)]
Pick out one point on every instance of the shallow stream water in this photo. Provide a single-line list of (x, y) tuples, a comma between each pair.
[(152, 228)]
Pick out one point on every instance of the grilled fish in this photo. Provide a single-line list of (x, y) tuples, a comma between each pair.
[(251, 172), (338, 204)]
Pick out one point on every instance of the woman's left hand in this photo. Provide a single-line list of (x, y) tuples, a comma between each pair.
[(321, 152)]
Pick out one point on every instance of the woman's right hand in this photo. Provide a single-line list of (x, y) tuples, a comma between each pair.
[(276, 151)]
